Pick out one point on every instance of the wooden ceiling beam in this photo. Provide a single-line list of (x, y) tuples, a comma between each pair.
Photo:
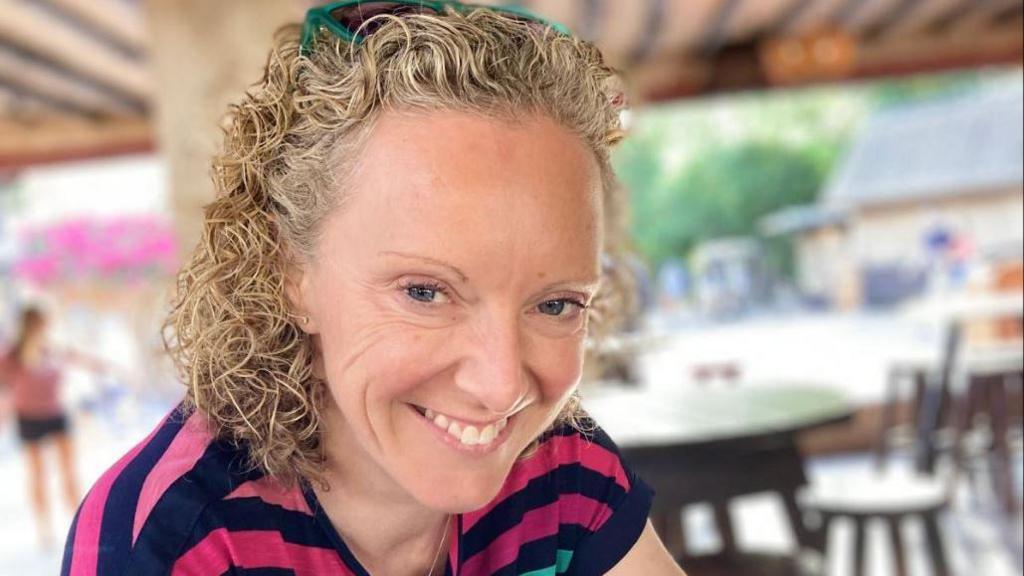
[(818, 14), (891, 18), (684, 22), (37, 32), (789, 16), (754, 19), (716, 35), (650, 36), (927, 14), (23, 109), (60, 140), (981, 19), (35, 77), (893, 57), (117, 19)]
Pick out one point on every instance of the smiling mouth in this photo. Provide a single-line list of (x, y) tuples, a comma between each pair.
[(467, 434)]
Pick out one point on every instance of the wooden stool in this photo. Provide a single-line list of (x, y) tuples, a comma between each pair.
[(890, 500), (990, 372)]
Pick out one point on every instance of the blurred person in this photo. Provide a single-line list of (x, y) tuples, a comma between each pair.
[(32, 372), (383, 327)]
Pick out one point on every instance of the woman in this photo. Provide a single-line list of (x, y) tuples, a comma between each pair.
[(31, 372), (383, 326)]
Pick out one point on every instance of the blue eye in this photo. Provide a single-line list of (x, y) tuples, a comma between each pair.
[(556, 307), (422, 293)]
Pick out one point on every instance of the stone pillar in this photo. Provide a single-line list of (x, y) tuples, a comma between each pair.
[(204, 55)]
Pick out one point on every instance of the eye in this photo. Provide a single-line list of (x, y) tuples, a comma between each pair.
[(558, 307), (426, 292)]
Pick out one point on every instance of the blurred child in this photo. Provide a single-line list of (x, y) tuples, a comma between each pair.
[(32, 373)]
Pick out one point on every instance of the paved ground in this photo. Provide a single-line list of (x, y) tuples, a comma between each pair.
[(847, 351)]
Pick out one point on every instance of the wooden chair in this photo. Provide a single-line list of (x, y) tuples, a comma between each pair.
[(891, 500), (992, 375), (780, 472)]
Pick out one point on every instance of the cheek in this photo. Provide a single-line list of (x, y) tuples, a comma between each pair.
[(558, 367)]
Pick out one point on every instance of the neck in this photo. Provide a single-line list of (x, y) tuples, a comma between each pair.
[(373, 514)]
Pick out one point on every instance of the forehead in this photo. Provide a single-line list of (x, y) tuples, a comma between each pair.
[(527, 150), (453, 178)]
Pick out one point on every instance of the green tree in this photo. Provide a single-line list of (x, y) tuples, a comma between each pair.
[(725, 192)]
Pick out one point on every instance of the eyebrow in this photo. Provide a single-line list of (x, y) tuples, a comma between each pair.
[(590, 283), (455, 270)]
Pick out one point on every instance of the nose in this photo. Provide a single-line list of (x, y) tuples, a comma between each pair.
[(493, 369)]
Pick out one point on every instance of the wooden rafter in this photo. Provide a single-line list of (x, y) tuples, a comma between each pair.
[(716, 35), (35, 31), (114, 18), (36, 78), (925, 15), (654, 23), (897, 13), (55, 139)]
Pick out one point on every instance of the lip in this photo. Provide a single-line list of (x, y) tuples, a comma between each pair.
[(450, 441)]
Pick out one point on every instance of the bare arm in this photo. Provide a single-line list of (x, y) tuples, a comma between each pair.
[(648, 557)]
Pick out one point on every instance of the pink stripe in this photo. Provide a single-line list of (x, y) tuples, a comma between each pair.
[(221, 550), (85, 550), (272, 492), (583, 510), (557, 451), (537, 523), (181, 455)]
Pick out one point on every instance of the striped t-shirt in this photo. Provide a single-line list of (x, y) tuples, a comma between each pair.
[(182, 502)]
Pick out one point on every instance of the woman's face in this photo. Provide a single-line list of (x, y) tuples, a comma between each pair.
[(447, 298)]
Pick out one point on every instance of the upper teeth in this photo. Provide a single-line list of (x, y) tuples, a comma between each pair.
[(467, 434)]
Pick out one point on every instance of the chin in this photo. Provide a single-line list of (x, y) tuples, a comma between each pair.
[(463, 493)]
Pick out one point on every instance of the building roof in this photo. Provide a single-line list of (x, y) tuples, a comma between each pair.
[(968, 144), (802, 218)]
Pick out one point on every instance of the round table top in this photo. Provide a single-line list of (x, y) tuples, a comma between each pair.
[(693, 415)]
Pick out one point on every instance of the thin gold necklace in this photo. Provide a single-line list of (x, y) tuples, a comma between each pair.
[(444, 536)]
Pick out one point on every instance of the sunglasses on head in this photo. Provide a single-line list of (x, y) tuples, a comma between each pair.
[(354, 20)]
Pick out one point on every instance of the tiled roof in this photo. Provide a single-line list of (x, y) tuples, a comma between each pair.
[(969, 144)]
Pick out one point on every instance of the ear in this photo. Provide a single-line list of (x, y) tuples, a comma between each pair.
[(297, 290)]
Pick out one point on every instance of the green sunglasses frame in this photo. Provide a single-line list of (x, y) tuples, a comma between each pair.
[(320, 17)]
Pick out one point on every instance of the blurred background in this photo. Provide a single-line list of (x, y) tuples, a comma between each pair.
[(822, 374)]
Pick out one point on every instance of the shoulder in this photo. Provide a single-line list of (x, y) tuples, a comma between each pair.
[(146, 506)]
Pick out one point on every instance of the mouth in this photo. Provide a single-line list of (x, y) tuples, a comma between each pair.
[(466, 436)]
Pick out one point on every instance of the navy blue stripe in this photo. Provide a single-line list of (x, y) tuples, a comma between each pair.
[(541, 553), (115, 540), (235, 571), (328, 528), (541, 491), (601, 551), (239, 514), (220, 470)]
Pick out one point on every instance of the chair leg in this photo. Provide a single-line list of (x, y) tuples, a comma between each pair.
[(892, 398), (804, 535), (859, 550), (1002, 471), (936, 550), (896, 543), (724, 523)]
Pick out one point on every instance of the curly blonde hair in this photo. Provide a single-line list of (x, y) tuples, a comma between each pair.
[(286, 150)]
